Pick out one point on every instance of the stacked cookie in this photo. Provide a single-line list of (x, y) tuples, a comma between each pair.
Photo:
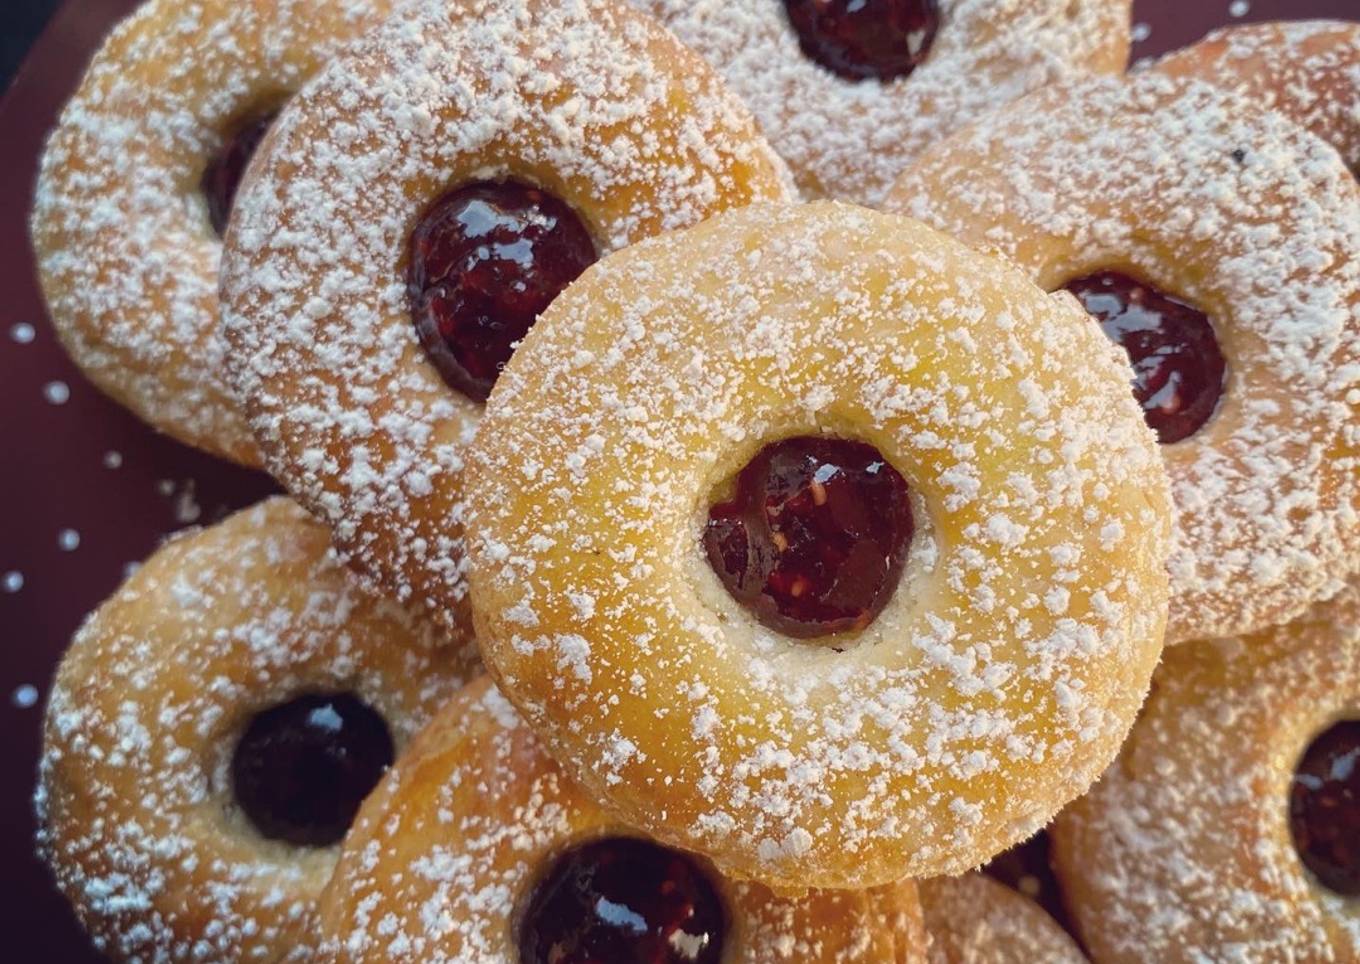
[(810, 551)]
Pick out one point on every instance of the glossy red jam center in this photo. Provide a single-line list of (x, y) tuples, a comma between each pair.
[(1324, 808), (302, 768), (865, 39), (485, 261), (815, 536), (623, 901), (223, 174), (1178, 368)]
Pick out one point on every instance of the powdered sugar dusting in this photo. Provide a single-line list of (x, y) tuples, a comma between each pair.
[(1215, 199), (976, 919), (127, 258), (978, 701), (1308, 69), (1196, 859), (137, 816), (586, 98), (850, 140), (446, 851)]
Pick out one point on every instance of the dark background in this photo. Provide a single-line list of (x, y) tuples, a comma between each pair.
[(22, 21), (83, 465), (72, 460)]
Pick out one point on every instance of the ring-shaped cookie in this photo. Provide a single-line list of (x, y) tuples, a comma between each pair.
[(126, 253), (446, 854), (976, 920), (1184, 851), (140, 815), (591, 101), (1005, 668), (1243, 214), (849, 138), (1308, 70)]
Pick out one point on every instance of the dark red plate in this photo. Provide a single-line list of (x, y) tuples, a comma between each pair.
[(86, 490)]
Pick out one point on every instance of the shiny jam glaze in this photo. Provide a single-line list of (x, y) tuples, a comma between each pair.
[(1324, 808), (1178, 368), (623, 901), (484, 262), (865, 39), (815, 536)]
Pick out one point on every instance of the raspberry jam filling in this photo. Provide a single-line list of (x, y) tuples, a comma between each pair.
[(624, 901), (303, 767), (223, 174), (865, 39), (485, 261), (815, 536), (1178, 369), (1324, 809)]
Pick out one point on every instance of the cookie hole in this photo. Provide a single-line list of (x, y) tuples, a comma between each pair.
[(859, 40), (484, 261), (222, 177), (302, 768), (811, 536), (1179, 372), (1324, 808), (622, 899)]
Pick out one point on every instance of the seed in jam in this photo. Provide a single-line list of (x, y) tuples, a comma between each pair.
[(623, 901), (303, 767), (865, 39), (1178, 369), (1324, 809), (815, 536), (484, 263), (223, 174)]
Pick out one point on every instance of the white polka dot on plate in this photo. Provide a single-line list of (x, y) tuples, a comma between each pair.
[(13, 581), (1141, 31), (25, 696), (68, 539), (113, 460), (1239, 8), (58, 393), (23, 333)]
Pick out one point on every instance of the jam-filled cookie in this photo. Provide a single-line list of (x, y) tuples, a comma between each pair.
[(1229, 829), (477, 849), (212, 731), (413, 213), (1308, 70), (849, 92), (136, 190), (1215, 241), (816, 542), (976, 920)]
